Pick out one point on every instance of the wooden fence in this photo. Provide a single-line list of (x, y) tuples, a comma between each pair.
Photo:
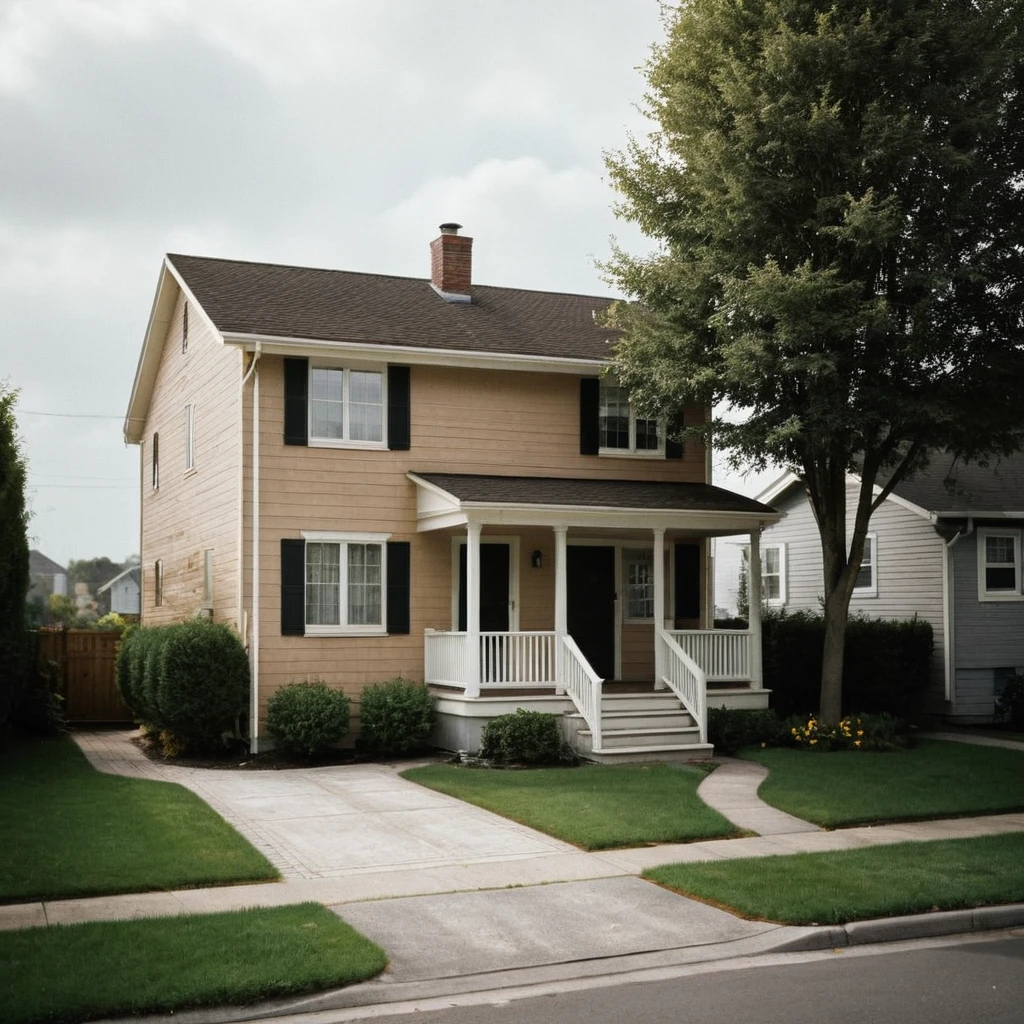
[(85, 669)]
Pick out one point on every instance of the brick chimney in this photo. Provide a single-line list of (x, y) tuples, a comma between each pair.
[(451, 264)]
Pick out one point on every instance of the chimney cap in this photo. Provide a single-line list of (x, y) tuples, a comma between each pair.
[(450, 228)]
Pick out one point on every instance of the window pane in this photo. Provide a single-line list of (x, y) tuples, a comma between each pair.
[(770, 562), (999, 550), (646, 435), (327, 403), (866, 576), (639, 584), (614, 417), (364, 584), (323, 584), (366, 406), (1001, 578)]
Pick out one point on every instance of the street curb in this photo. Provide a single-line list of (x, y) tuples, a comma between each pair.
[(898, 929)]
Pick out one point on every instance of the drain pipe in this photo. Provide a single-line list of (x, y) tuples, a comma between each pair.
[(254, 618), (950, 603)]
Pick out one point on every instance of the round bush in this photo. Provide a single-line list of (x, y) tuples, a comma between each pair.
[(396, 716), (146, 678), (124, 666), (203, 682), (524, 737), (307, 718)]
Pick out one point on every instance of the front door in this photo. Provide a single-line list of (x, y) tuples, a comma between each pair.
[(590, 607), (494, 587)]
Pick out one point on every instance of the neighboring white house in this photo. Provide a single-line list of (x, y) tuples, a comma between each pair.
[(125, 591), (944, 546)]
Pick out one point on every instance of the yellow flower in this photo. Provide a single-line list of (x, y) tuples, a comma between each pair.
[(856, 743), (813, 742), (860, 732)]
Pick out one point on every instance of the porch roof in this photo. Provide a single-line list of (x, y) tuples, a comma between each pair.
[(453, 499)]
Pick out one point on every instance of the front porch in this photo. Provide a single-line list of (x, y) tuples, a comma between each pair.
[(635, 572)]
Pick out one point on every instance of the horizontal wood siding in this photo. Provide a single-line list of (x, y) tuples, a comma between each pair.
[(908, 561), (987, 635), (195, 511)]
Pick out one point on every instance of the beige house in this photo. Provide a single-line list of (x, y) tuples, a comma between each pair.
[(372, 476)]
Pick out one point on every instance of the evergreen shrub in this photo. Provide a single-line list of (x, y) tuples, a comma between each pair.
[(525, 737), (396, 716), (307, 718)]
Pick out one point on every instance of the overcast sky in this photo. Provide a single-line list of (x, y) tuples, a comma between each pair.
[(335, 133)]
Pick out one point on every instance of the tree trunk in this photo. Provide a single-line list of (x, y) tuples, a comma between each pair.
[(837, 606)]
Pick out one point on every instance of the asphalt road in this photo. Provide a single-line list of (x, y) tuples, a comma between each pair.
[(972, 981)]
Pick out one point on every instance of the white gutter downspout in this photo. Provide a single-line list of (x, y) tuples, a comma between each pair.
[(950, 603), (254, 619)]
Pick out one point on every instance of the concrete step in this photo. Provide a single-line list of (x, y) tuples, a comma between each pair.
[(675, 753), (636, 738)]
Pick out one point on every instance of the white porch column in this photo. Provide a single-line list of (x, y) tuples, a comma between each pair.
[(754, 612), (561, 601), (473, 609), (659, 604)]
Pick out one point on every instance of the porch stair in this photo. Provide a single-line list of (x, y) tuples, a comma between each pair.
[(643, 725)]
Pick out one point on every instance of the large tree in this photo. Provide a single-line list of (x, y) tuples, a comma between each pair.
[(836, 188), (14, 575)]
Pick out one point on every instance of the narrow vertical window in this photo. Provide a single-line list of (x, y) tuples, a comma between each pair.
[(208, 577), (156, 461), (184, 328), (866, 583), (190, 437), (158, 583)]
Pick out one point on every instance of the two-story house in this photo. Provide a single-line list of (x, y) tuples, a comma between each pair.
[(374, 476)]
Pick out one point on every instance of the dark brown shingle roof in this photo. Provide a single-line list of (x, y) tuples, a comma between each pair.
[(951, 488), (334, 305), (529, 490)]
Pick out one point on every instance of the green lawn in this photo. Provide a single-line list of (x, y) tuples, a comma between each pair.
[(110, 968), (933, 780), (67, 830), (853, 885), (595, 806)]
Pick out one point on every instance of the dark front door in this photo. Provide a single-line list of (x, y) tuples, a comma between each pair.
[(590, 607), (494, 566)]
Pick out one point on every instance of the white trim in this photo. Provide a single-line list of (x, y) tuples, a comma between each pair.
[(336, 537), (984, 594), (872, 589), (513, 543), (775, 602)]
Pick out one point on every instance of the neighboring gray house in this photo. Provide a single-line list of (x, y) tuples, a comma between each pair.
[(46, 577), (945, 546), (125, 591)]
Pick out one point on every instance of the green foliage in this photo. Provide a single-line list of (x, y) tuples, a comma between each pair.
[(1010, 703), (307, 718), (111, 622), (835, 193), (62, 610), (395, 717), (525, 737), (854, 732), (203, 682), (41, 706), (886, 663), (94, 572), (15, 647), (729, 729)]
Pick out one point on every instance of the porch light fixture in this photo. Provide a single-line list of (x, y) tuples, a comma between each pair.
[(536, 560)]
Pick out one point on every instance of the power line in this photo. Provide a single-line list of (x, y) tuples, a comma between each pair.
[(68, 415), (67, 476), (85, 487)]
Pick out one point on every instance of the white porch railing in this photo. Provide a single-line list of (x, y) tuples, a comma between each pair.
[(517, 659), (723, 654), (583, 686), (446, 658), (685, 678)]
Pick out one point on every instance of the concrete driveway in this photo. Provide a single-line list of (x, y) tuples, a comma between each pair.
[(338, 821)]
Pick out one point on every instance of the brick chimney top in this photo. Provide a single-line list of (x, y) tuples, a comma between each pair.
[(451, 264)]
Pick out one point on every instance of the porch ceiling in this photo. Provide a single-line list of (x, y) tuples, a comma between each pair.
[(444, 500)]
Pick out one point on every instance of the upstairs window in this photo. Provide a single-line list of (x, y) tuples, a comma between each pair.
[(620, 430), (999, 577), (866, 584), (346, 407), (156, 461), (158, 583)]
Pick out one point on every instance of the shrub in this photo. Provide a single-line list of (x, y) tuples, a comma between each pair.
[(144, 671), (1010, 703), (202, 674), (307, 718), (525, 737), (885, 666), (729, 729), (126, 665), (396, 716)]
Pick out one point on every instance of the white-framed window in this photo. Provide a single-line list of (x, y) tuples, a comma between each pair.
[(866, 584), (345, 577), (347, 406), (999, 576), (190, 437), (156, 461), (773, 574), (638, 580), (621, 431)]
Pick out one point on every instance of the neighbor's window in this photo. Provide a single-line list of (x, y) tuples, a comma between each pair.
[(638, 572), (773, 573), (158, 583), (866, 584), (190, 437), (998, 564), (344, 583), (346, 406), (156, 461), (621, 430)]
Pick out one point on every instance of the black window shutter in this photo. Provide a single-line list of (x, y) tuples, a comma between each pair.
[(296, 394), (674, 449), (399, 408), (398, 586), (293, 587), (590, 401), (687, 581)]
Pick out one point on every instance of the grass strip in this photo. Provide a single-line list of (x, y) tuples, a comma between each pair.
[(67, 830), (80, 972), (934, 779), (854, 885), (595, 806)]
